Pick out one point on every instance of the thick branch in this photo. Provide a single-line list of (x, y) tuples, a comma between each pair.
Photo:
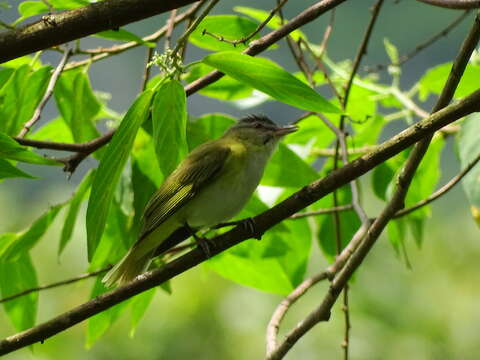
[(56, 29), (301, 199)]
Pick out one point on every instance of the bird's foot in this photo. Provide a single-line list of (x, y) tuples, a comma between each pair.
[(250, 226), (205, 244)]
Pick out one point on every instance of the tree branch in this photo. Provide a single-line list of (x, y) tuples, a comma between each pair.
[(296, 202), (454, 4), (322, 312), (48, 93), (56, 29)]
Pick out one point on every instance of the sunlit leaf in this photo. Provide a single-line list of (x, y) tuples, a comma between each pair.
[(268, 77), (169, 118), (17, 276), (29, 238), (123, 35), (207, 127), (73, 209), (98, 324), (110, 168), (10, 149), (225, 88), (7, 170)]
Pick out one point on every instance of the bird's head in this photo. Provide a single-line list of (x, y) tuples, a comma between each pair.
[(259, 131)]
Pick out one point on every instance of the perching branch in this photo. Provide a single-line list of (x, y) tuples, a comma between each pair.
[(296, 202), (255, 47)]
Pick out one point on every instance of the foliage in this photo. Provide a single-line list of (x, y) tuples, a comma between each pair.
[(157, 131)]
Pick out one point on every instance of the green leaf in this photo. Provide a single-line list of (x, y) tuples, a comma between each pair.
[(311, 130), (434, 80), (145, 157), (381, 179), (31, 96), (7, 170), (287, 169), (29, 238), (274, 23), (10, 149), (72, 92), (143, 189), (11, 98), (268, 77), (169, 118), (55, 130), (226, 88), (123, 35), (206, 128), (115, 241), (468, 150), (391, 50), (98, 324), (71, 216), (110, 168), (139, 307), (230, 27), (17, 276), (396, 231), (31, 8), (275, 264)]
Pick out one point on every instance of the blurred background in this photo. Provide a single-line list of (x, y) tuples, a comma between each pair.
[(428, 312)]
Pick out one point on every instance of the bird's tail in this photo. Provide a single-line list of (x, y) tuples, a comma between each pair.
[(132, 264)]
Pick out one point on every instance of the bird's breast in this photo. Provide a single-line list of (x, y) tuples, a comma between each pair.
[(227, 194)]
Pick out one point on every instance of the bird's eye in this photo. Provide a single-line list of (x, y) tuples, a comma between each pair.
[(257, 126)]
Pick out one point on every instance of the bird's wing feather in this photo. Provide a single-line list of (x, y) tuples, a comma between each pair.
[(199, 169)]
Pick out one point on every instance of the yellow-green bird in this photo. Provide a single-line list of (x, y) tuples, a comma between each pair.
[(211, 185)]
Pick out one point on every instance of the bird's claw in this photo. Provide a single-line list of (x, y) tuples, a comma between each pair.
[(250, 226), (206, 245)]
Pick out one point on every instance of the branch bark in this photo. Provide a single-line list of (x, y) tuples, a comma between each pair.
[(301, 199), (56, 29)]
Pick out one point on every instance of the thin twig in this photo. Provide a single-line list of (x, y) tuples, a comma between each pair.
[(55, 284), (281, 310), (247, 38), (186, 34), (48, 93), (147, 69), (326, 35), (322, 313), (321, 212), (104, 53), (408, 103), (263, 222), (414, 52), (454, 4), (170, 26), (442, 191)]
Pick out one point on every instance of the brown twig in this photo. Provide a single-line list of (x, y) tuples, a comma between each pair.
[(404, 58), (55, 284), (184, 37), (48, 93), (58, 28), (454, 4), (322, 313), (296, 202), (281, 310), (104, 53), (440, 192), (247, 38)]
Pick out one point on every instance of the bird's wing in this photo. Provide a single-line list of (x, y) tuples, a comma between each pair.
[(202, 166)]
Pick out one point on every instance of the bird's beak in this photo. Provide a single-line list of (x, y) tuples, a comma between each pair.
[(286, 130)]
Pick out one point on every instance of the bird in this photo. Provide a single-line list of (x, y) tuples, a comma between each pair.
[(211, 185)]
